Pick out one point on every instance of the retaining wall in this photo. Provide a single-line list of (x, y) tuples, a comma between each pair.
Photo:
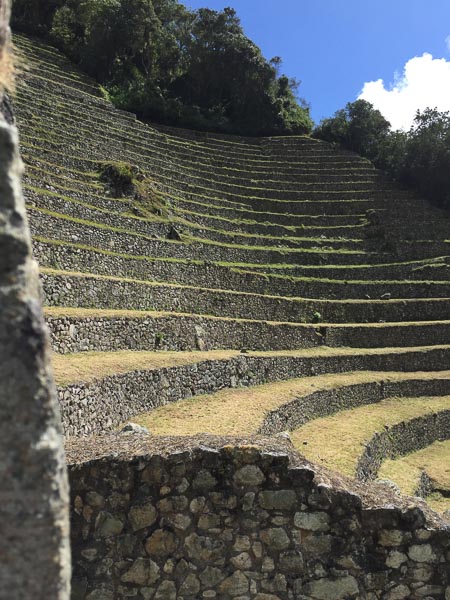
[(190, 332), (103, 404), (402, 438), (323, 403), (86, 291), (203, 519)]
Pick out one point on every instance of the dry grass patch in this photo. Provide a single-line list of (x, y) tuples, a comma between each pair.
[(406, 470), (241, 411), (87, 366), (337, 441)]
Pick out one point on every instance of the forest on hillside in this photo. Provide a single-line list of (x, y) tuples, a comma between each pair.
[(170, 64), (418, 158)]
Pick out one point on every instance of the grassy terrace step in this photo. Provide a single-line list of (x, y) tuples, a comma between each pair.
[(407, 472), (54, 65), (338, 441), (84, 290), (258, 178), (275, 190), (244, 411), (71, 256), (333, 225), (81, 329), (119, 215), (146, 136), (197, 184), (99, 111), (52, 225), (231, 174), (47, 202), (346, 209), (148, 388), (90, 366), (313, 206), (436, 268)]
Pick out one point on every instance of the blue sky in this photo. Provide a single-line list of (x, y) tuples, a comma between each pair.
[(336, 46)]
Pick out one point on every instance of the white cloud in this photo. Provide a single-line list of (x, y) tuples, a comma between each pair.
[(425, 82)]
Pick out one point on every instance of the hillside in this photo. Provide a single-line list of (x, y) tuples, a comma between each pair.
[(234, 286), (280, 245)]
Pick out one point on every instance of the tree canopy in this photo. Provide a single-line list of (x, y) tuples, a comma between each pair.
[(419, 158), (171, 64)]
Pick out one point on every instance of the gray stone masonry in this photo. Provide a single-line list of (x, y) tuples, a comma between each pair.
[(34, 549), (206, 519)]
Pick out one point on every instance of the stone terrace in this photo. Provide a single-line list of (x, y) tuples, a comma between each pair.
[(246, 263)]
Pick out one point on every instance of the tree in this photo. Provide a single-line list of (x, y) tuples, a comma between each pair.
[(358, 127), (427, 156), (167, 63)]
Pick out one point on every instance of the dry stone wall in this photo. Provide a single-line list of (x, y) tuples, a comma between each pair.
[(206, 274), (226, 522), (402, 438), (192, 332), (34, 553), (299, 411), (80, 334), (101, 292), (102, 405)]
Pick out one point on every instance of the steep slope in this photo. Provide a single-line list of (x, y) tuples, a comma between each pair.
[(301, 256)]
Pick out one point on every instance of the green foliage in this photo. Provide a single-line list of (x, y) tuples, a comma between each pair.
[(358, 127), (427, 157), (316, 317), (419, 158), (124, 179), (119, 176), (171, 64)]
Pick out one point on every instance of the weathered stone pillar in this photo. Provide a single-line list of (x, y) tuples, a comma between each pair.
[(34, 547)]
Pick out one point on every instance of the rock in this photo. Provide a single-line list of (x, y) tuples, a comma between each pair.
[(235, 585), (203, 548), (242, 543), (190, 586), (142, 516), (277, 500), (333, 589), (107, 525), (161, 543), (390, 537), (312, 521), (95, 500), (142, 572), (249, 476), (135, 428), (422, 553), (399, 593), (242, 561), (396, 559), (166, 591), (204, 481), (275, 538)]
